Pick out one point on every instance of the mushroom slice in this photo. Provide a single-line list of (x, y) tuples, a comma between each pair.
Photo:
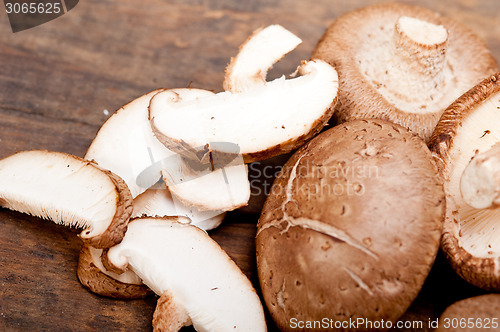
[(126, 145), (402, 63), (361, 205), (161, 203), (169, 316), (198, 275), (257, 55), (217, 186), (480, 182), (481, 311), (262, 122), (67, 190), (471, 235), (94, 276)]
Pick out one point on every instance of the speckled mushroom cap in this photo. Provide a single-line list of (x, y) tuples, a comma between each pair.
[(471, 237), (480, 309), (351, 227), (402, 63)]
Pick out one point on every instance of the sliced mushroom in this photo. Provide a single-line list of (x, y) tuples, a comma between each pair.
[(67, 190), (480, 182), (402, 63), (94, 276), (125, 144), (169, 316), (472, 314), (351, 227), (261, 122), (161, 203), (471, 236), (198, 276), (257, 55)]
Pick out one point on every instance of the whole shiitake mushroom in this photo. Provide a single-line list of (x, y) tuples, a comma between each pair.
[(351, 226)]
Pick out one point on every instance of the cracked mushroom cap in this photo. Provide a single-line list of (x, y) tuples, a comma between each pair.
[(482, 310), (361, 205), (69, 191), (466, 136), (262, 122), (402, 63), (198, 282), (125, 145)]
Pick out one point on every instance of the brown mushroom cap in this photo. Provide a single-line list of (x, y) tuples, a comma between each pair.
[(390, 69), (92, 278), (481, 310), (351, 227), (67, 190), (470, 236)]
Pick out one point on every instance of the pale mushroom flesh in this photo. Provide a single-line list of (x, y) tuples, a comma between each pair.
[(479, 132)]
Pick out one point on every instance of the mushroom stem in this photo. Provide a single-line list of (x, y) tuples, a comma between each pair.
[(419, 49), (480, 182)]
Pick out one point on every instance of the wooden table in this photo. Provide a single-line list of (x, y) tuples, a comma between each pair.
[(58, 82)]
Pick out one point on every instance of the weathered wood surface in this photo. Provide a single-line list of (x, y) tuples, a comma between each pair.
[(57, 80)]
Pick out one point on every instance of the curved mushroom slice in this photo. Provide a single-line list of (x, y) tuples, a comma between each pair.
[(257, 55), (198, 275), (402, 63), (262, 122), (471, 236), (97, 279), (482, 308), (67, 190), (125, 144), (219, 185), (161, 203), (168, 316)]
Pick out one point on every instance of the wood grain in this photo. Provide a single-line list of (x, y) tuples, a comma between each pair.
[(57, 81)]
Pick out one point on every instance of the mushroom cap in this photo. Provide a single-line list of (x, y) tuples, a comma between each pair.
[(470, 236), (69, 191), (361, 205), (261, 122), (257, 55), (200, 278), (358, 45), (161, 203), (481, 309), (168, 316), (91, 275)]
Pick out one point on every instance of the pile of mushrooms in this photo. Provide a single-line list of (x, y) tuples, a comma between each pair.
[(163, 170), (362, 204)]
